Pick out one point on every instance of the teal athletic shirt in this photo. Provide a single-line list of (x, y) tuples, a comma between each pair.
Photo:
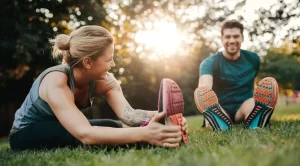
[(233, 81)]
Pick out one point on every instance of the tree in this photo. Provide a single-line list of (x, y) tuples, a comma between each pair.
[(283, 66), (279, 28), (24, 43), (141, 76), (26, 27), (277, 24)]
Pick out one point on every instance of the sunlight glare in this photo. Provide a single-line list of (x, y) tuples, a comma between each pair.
[(163, 39)]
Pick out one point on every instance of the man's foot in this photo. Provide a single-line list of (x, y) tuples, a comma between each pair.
[(207, 103), (265, 97), (170, 100)]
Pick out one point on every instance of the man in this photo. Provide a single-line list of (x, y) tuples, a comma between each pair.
[(225, 92)]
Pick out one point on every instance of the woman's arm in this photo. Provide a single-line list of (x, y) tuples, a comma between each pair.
[(61, 100), (131, 117), (113, 92), (136, 117)]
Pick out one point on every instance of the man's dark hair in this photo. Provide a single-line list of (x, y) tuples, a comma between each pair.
[(232, 24)]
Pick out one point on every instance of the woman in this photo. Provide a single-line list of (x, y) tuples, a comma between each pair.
[(51, 113)]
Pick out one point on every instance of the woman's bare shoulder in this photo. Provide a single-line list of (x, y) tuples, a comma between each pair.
[(52, 80), (105, 85)]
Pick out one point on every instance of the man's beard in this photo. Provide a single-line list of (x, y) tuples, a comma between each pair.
[(232, 53)]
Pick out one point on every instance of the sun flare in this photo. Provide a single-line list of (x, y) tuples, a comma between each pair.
[(161, 38)]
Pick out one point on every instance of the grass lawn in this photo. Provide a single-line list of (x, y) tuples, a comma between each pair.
[(279, 145)]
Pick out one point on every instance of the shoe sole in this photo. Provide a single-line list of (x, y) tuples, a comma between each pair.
[(207, 103), (265, 97), (171, 102)]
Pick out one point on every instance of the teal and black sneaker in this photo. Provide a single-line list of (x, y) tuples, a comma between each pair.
[(207, 103), (265, 97)]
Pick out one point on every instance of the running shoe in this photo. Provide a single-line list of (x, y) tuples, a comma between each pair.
[(170, 100), (207, 103), (265, 97)]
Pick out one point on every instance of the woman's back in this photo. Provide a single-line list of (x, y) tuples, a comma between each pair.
[(34, 109)]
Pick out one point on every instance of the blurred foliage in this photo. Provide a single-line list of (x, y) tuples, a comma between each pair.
[(142, 75), (25, 51), (278, 23), (283, 64), (280, 27), (28, 24)]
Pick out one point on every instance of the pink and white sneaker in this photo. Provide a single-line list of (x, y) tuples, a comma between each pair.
[(170, 100)]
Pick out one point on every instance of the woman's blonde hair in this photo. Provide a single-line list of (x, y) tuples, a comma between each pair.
[(88, 40)]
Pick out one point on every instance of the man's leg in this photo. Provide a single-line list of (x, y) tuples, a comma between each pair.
[(224, 109), (265, 99), (244, 111), (207, 103)]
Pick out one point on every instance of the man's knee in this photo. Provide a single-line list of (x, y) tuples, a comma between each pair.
[(245, 109)]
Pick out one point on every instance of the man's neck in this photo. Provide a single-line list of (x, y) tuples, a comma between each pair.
[(230, 57)]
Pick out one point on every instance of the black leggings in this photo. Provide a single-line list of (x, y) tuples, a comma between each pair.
[(51, 134)]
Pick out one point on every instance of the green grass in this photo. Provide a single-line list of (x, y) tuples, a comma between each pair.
[(278, 146)]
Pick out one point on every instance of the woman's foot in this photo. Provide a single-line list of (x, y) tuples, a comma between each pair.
[(170, 100)]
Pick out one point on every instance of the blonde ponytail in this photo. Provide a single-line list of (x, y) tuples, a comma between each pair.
[(85, 41)]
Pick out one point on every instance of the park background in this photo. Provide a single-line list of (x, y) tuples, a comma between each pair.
[(157, 39), (154, 40)]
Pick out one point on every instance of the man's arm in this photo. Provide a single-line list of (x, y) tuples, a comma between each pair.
[(257, 70), (206, 73), (206, 80)]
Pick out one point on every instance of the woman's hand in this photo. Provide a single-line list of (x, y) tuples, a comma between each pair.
[(162, 135), (184, 126)]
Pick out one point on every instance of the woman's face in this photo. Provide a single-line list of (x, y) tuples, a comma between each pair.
[(103, 63)]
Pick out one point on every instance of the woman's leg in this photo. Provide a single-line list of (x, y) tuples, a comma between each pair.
[(50, 134), (105, 123)]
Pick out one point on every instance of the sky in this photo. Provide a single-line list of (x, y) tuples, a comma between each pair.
[(170, 37), (248, 13)]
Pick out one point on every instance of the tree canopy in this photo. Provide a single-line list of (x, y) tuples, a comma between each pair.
[(28, 25)]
